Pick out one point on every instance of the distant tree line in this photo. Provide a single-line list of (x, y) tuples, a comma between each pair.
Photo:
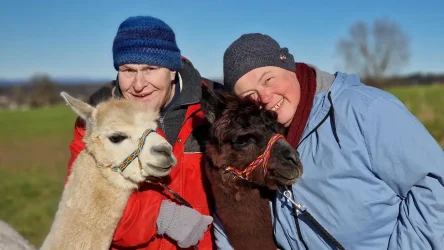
[(41, 91)]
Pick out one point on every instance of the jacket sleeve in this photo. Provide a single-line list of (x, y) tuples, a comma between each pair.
[(138, 223), (409, 160)]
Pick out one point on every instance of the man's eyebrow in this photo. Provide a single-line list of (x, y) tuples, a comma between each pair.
[(148, 66), (126, 67)]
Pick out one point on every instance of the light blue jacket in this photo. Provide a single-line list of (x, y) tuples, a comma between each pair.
[(377, 184)]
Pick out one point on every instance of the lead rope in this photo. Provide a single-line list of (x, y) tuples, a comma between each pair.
[(301, 209), (176, 195)]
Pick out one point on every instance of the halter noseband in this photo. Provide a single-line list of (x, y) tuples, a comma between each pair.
[(263, 158), (134, 154)]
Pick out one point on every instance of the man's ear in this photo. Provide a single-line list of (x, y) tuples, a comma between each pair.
[(173, 75), (211, 103)]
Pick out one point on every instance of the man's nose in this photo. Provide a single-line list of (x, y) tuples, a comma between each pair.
[(139, 81)]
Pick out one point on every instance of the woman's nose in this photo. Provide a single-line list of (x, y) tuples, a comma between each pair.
[(264, 96)]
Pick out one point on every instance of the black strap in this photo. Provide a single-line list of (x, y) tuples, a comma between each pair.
[(176, 195), (323, 230), (298, 227), (318, 226)]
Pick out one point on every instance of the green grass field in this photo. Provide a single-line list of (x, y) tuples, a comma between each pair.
[(34, 154), (33, 163)]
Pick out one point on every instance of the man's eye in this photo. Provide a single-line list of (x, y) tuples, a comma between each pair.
[(117, 138)]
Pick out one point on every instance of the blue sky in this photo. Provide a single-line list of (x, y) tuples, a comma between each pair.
[(75, 39)]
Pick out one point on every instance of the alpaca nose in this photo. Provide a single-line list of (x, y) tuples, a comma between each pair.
[(289, 153), (292, 157), (162, 149)]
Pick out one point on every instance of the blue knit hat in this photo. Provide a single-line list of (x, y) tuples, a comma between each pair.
[(146, 40)]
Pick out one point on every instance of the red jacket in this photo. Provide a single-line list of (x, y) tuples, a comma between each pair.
[(137, 227)]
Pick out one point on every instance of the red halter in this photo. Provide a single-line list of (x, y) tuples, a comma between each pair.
[(263, 158)]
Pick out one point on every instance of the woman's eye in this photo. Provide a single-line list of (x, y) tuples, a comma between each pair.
[(117, 138), (253, 96)]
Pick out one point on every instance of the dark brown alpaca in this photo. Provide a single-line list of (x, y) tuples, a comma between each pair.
[(239, 132)]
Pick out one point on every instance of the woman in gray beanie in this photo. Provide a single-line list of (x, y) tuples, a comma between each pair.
[(150, 69), (373, 175)]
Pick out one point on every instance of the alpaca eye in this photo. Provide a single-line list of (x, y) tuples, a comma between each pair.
[(117, 138), (241, 142)]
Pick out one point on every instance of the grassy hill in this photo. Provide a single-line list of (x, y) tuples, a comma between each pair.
[(34, 153)]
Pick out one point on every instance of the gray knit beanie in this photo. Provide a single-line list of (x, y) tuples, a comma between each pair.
[(251, 51)]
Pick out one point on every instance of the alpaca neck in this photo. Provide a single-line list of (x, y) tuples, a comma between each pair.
[(90, 208), (244, 211)]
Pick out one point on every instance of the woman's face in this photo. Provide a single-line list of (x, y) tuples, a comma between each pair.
[(152, 85), (275, 88)]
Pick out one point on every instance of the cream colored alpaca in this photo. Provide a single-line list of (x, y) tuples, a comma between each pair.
[(95, 196)]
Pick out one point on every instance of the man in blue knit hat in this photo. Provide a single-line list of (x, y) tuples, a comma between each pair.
[(151, 70)]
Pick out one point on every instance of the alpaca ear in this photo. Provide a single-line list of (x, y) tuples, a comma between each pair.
[(211, 104), (83, 109)]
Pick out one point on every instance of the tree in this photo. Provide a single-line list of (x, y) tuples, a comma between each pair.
[(375, 52), (19, 95), (43, 91)]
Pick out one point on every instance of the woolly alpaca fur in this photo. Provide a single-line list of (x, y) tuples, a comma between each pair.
[(89, 211), (238, 134)]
